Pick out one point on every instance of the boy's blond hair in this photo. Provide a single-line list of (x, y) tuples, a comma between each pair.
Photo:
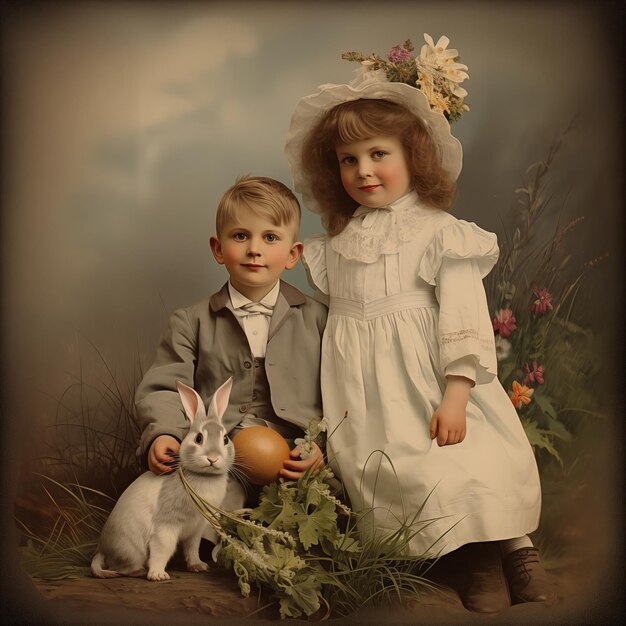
[(265, 196)]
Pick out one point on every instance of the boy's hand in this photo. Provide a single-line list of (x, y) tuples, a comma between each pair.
[(295, 469), (159, 454), (449, 423)]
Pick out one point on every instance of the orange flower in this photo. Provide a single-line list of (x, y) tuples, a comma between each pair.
[(521, 394)]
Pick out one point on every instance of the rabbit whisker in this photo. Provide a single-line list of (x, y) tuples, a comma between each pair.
[(240, 461), (240, 476)]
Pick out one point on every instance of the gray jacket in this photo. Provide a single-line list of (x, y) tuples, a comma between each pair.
[(204, 345)]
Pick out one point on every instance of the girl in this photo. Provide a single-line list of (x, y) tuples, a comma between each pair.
[(431, 438)]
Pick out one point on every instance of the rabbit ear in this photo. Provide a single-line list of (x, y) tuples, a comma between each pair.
[(220, 398), (192, 402)]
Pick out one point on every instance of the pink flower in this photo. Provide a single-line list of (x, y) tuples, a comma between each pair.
[(504, 323), (542, 303), (534, 375), (398, 54)]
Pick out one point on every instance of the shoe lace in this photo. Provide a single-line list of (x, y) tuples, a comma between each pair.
[(522, 562)]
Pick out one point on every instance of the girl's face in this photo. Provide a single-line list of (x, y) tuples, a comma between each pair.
[(374, 171)]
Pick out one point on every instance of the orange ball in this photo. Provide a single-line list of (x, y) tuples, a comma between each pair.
[(259, 453)]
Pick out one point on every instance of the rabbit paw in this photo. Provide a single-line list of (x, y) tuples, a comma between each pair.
[(155, 576), (201, 566)]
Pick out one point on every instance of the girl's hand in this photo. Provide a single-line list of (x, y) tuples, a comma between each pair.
[(295, 469), (159, 454), (449, 422)]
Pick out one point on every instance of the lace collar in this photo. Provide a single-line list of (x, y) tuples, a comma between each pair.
[(372, 232)]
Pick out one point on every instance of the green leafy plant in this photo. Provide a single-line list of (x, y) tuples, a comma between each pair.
[(302, 549)]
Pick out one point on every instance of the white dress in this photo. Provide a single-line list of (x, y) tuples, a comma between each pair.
[(406, 307)]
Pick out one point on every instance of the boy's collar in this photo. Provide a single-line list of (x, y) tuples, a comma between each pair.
[(293, 296), (237, 299)]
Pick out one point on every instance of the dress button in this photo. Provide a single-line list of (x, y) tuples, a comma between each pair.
[(243, 408), (247, 364), (254, 395), (256, 363)]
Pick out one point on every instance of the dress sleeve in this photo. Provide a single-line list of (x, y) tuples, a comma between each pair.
[(314, 261), (459, 240), (458, 258)]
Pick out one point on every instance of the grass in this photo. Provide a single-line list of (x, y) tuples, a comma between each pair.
[(65, 551), (94, 435), (92, 443)]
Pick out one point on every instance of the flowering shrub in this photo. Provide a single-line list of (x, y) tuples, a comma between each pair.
[(542, 350)]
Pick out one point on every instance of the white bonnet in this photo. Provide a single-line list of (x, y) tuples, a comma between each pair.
[(372, 85)]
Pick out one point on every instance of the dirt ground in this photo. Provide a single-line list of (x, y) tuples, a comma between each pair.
[(589, 579), (214, 598), (589, 583)]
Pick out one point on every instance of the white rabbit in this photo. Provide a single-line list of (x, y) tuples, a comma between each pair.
[(156, 512)]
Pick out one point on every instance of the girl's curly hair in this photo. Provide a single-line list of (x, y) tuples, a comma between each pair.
[(358, 120)]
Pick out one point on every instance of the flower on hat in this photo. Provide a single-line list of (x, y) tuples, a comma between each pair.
[(399, 54), (436, 99), (436, 71), (436, 60)]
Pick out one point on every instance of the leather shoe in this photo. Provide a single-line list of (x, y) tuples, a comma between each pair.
[(485, 589), (528, 581)]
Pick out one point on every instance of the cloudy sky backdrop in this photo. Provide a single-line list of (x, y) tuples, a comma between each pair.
[(124, 123)]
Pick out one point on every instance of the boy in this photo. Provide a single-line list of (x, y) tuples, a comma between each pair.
[(261, 331)]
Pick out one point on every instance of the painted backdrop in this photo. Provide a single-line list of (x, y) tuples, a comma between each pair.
[(124, 122)]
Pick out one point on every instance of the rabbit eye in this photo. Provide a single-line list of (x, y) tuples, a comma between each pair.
[(226, 440), (198, 438)]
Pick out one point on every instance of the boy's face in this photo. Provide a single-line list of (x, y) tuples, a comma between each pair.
[(255, 252)]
